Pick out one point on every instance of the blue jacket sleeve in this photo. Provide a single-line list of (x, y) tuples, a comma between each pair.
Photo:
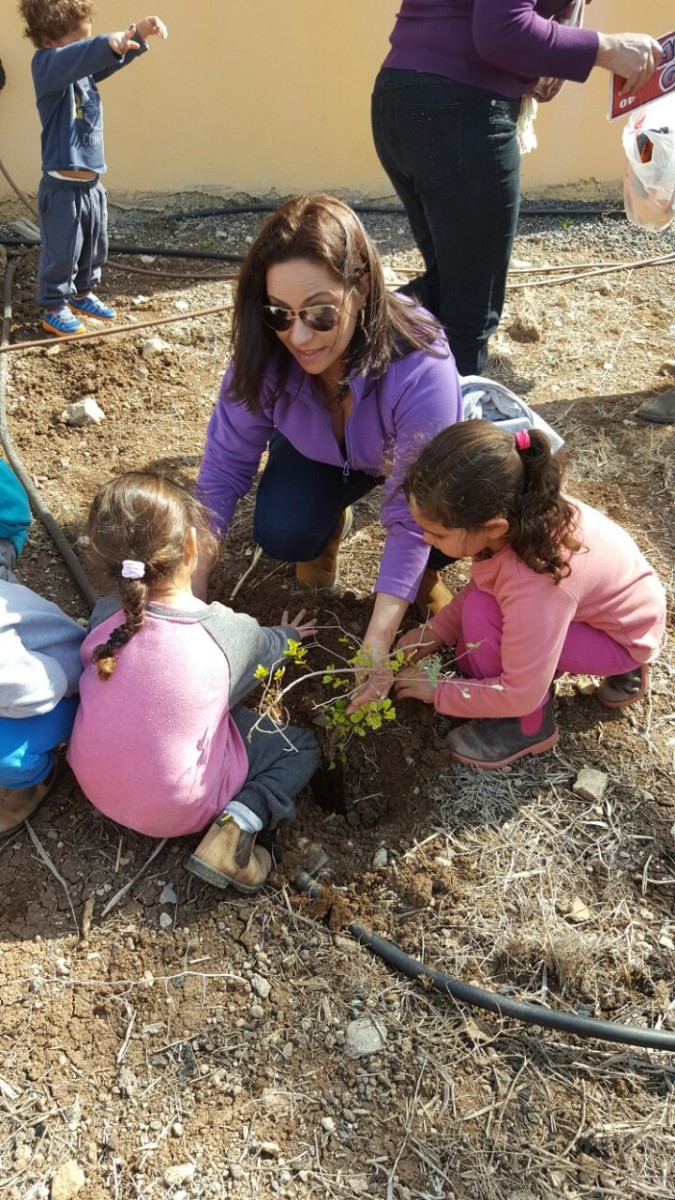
[(15, 515), (57, 68)]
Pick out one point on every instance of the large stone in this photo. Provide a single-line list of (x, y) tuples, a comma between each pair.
[(364, 1036), (83, 412), (590, 784), (67, 1181)]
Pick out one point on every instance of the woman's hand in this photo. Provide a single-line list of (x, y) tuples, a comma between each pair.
[(414, 683), (375, 680), (632, 56), (304, 628)]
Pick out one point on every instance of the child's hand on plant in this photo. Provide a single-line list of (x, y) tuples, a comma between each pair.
[(304, 628), (415, 683), (418, 643), (151, 27)]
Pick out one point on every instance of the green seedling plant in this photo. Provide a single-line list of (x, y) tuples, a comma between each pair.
[(342, 681)]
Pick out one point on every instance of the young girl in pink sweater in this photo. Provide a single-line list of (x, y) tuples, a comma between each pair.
[(555, 586), (162, 742)]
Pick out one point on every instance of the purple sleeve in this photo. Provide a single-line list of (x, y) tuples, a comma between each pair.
[(235, 440), (429, 400), (510, 34)]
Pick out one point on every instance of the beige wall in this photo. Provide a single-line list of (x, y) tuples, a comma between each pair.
[(261, 96)]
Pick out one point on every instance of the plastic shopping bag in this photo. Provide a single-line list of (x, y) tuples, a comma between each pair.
[(649, 174), (486, 400)]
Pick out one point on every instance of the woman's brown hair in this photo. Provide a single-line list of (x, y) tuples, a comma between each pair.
[(329, 233), (146, 517), (474, 471)]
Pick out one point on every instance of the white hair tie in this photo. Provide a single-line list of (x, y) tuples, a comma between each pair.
[(131, 569)]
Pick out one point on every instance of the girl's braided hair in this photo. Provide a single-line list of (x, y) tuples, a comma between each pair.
[(474, 471), (144, 516)]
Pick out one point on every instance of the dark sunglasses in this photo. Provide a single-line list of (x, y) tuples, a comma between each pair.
[(319, 317)]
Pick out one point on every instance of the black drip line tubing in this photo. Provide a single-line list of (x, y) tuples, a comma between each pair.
[(503, 1006), (156, 251), (54, 530), (389, 210)]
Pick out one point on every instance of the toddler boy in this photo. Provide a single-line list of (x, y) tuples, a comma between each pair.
[(72, 202)]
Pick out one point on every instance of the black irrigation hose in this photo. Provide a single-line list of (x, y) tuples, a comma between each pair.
[(387, 210), (157, 251), (477, 997), (55, 532)]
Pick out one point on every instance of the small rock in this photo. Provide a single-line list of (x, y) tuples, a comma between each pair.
[(668, 367), (261, 986), (154, 345), (257, 1012), (524, 329), (579, 911), (590, 784), (168, 896), (128, 1082), (165, 920), (236, 1171), (358, 1185), (380, 859), (288, 1051), (181, 305), (83, 412), (67, 1181), (270, 1149), (364, 1036), (179, 1174), (177, 1129), (666, 942), (328, 1124)]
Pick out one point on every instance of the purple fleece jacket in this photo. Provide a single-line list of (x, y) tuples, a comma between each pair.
[(391, 419), (502, 46)]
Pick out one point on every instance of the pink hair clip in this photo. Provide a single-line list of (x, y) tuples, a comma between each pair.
[(522, 439)]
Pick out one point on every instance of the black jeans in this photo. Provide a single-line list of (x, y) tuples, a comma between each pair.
[(300, 501), (451, 153)]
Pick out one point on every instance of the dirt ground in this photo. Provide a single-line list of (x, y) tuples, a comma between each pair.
[(189, 1043)]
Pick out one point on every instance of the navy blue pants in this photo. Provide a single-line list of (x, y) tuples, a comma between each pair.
[(300, 501), (74, 231), (451, 153)]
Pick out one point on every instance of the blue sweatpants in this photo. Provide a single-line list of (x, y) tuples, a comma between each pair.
[(74, 230), (27, 744)]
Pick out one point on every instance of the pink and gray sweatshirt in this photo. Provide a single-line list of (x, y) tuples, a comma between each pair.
[(501, 46), (391, 419), (611, 588), (155, 747)]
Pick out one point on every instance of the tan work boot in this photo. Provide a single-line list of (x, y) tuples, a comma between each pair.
[(322, 571), (432, 594), (18, 804), (228, 857)]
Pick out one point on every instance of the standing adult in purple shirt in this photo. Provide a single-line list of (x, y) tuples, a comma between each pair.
[(445, 108), (343, 381)]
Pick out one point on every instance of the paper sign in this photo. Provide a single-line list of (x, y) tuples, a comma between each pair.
[(661, 82)]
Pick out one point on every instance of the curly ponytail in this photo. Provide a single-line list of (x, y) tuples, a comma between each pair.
[(474, 472), (146, 517)]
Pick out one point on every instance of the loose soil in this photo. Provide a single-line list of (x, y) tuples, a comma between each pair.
[(204, 1055)]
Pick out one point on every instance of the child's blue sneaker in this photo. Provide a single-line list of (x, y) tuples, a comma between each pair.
[(61, 322), (91, 306)]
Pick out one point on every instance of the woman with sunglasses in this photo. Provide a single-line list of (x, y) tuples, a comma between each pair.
[(341, 381)]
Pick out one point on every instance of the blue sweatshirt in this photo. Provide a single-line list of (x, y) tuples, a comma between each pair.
[(69, 104)]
